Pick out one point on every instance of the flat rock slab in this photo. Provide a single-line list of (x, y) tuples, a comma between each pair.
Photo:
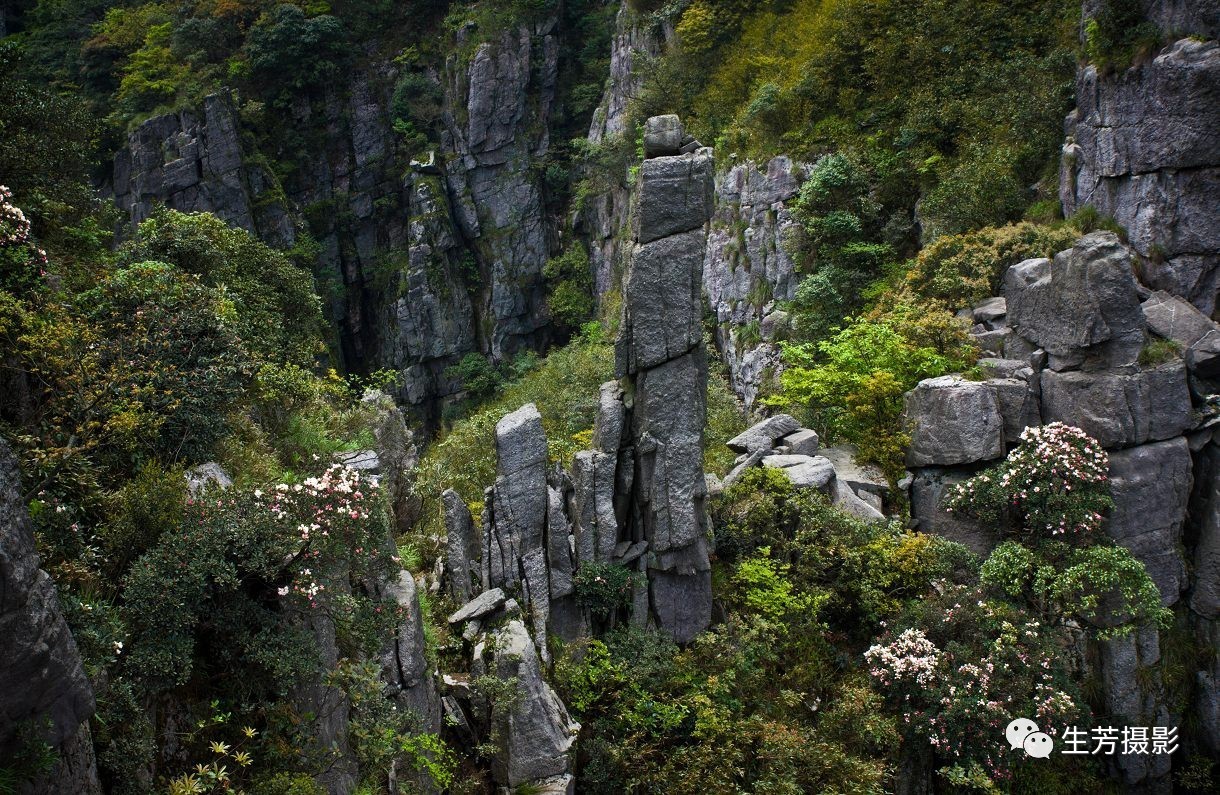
[(861, 477), (482, 605), (763, 435), (1120, 409), (805, 471)]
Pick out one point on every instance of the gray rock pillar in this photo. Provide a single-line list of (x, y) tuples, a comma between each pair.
[(662, 364)]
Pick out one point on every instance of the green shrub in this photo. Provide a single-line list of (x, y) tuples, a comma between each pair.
[(850, 386), (962, 270), (278, 314), (571, 287), (288, 49), (603, 588), (165, 368)]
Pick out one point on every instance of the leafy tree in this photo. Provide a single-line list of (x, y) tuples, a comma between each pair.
[(278, 314), (288, 49)]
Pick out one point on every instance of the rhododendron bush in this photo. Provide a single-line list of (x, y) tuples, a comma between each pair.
[(1055, 484), (963, 667), (240, 560)]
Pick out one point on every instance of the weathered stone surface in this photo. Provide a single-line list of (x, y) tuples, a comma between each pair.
[(405, 664), (928, 487), (1144, 148), (593, 498), (1120, 410), (44, 681), (1205, 514), (953, 421), (535, 733), (667, 425), (860, 477), (558, 545), (675, 195), (1176, 319), (482, 605), (462, 547), (748, 270), (1127, 664), (803, 442), (663, 136), (662, 303), (611, 418), (1082, 306), (1019, 405), (989, 312), (210, 475), (805, 471), (1198, 336), (1151, 485), (842, 496), (765, 434), (681, 601), (1207, 704), (537, 592), (520, 498), (1005, 368)]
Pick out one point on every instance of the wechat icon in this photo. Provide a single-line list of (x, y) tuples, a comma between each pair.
[(1023, 733)]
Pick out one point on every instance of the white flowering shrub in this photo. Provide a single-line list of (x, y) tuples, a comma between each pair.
[(1054, 485), (21, 261)]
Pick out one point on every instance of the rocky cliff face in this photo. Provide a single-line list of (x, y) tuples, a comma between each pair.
[(1144, 147), (46, 696), (1067, 338), (419, 264), (748, 270)]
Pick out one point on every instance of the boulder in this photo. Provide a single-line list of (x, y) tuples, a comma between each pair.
[(1081, 307), (813, 472), (990, 312), (842, 497), (803, 442), (202, 477), (953, 421), (663, 136), (1151, 485), (533, 731), (1005, 368), (862, 478), (482, 605), (675, 195), (1196, 334), (1120, 409), (764, 435)]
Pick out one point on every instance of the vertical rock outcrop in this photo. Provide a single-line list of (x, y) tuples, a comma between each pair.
[(748, 271), (660, 358), (497, 108), (45, 695), (1143, 146)]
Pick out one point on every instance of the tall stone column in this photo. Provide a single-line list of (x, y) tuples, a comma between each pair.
[(661, 362)]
